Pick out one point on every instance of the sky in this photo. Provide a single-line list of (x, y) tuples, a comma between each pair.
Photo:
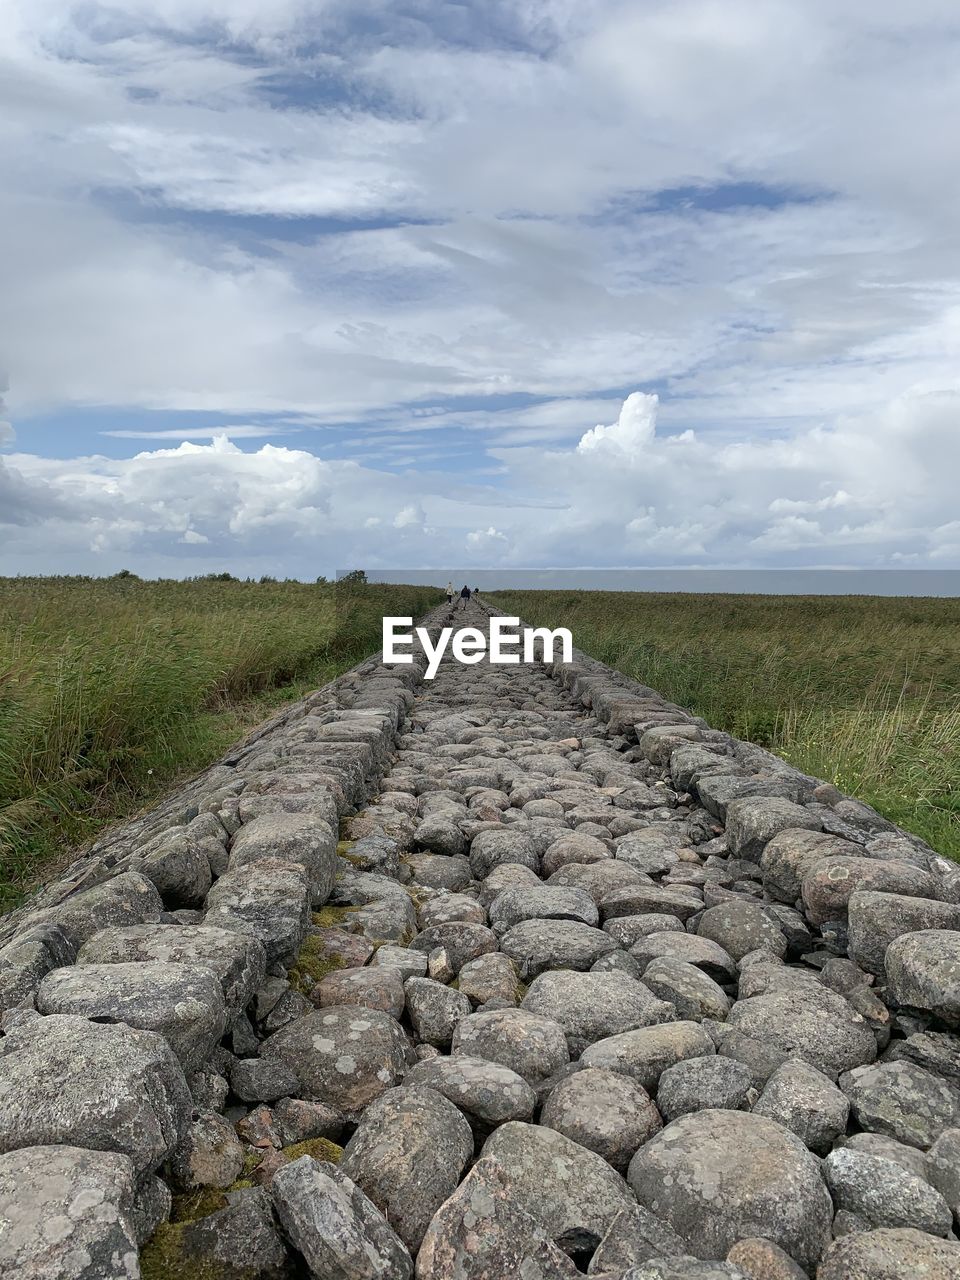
[(295, 287)]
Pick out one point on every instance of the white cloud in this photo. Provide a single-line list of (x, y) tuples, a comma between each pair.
[(498, 173)]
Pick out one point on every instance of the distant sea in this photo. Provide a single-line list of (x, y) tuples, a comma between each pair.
[(813, 582)]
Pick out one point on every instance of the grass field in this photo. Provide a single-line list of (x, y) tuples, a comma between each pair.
[(861, 690), (110, 689)]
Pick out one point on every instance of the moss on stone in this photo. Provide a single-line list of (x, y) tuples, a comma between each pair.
[(166, 1257), (318, 1148), (313, 963), (329, 917), (192, 1205)]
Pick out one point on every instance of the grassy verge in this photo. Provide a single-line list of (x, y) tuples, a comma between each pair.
[(861, 690), (111, 689)]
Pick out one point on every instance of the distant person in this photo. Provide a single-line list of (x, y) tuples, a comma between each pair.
[(464, 596), (449, 593), (476, 591)]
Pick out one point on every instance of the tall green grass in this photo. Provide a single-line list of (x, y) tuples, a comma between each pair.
[(861, 690), (112, 688)]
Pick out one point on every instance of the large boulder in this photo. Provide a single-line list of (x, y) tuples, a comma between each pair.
[(110, 1088), (486, 1092), (791, 854), (828, 886), (129, 898), (345, 1056), (753, 821), (27, 958), (808, 1022), (717, 1177), (890, 1254), (902, 1101), (269, 901), (741, 927), (571, 1192), (183, 1003), (408, 1154), (883, 1193), (531, 1045), (646, 1053), (874, 920), (592, 1006), (546, 902), (803, 1100), (67, 1214), (923, 972), (483, 1232), (300, 838), (341, 1234), (239, 962), (538, 945), (603, 1111)]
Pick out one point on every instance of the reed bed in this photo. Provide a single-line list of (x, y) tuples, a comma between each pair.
[(861, 690), (110, 689)]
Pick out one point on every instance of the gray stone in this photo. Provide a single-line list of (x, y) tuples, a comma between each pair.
[(635, 1236), (890, 1254), (262, 1080), (483, 1233), (571, 1192), (884, 1193), (209, 1155), (462, 942), (592, 1006), (269, 901), (902, 1101), (407, 1155), (67, 1214), (109, 1088), (548, 902), (603, 1111), (646, 1053), (684, 1268), (410, 964), (538, 945), (434, 1010), (177, 862), (828, 886), (698, 1084), (909, 1158), (492, 976), (943, 1167), (439, 871), (239, 962), (791, 854), (703, 952), (346, 1056), (810, 1023), (26, 960), (488, 1093), (742, 927), (371, 988), (341, 1234), (874, 920), (300, 838), (719, 1176), (923, 972), (760, 1259), (531, 1045), (650, 899), (183, 1003), (492, 849), (752, 821), (693, 994), (129, 898), (806, 1102), (240, 1238)]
